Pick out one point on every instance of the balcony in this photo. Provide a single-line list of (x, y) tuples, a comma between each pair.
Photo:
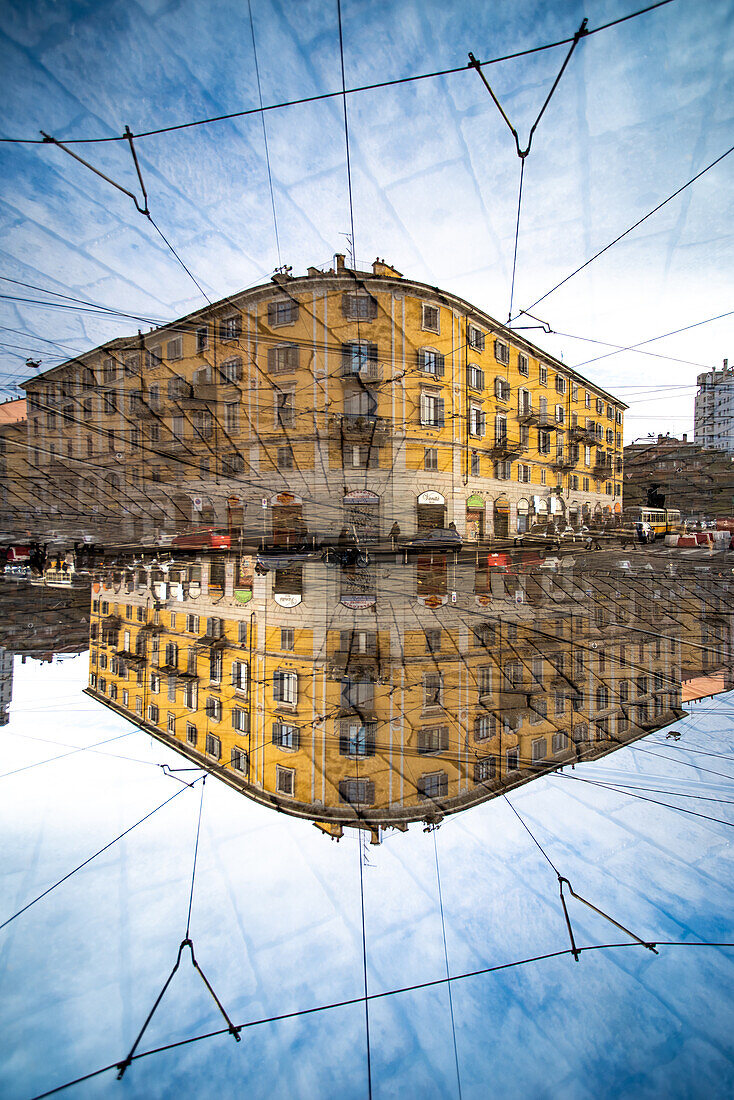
[(503, 447), (563, 462), (368, 372), (583, 434), (528, 416), (360, 427), (548, 422), (602, 469)]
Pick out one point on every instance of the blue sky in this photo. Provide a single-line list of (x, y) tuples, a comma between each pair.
[(276, 927), (642, 107)]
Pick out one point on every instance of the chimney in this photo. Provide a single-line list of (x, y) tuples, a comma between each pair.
[(726, 364), (339, 261), (685, 437), (660, 438)]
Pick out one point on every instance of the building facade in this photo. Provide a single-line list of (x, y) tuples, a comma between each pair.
[(343, 397), (664, 471), (714, 409), (450, 684)]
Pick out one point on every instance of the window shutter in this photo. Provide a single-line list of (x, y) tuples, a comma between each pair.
[(295, 738), (440, 368), (272, 359), (236, 718), (370, 731), (372, 309), (346, 304), (275, 739), (421, 359), (424, 408), (278, 686), (369, 793), (347, 352), (344, 738), (481, 423), (440, 407)]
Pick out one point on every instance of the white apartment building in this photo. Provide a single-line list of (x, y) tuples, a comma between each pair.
[(6, 684), (714, 415)]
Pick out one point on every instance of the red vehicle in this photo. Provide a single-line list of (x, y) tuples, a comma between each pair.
[(725, 523), (205, 538), (514, 561), (18, 554)]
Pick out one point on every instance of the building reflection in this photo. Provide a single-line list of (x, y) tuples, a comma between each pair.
[(383, 692)]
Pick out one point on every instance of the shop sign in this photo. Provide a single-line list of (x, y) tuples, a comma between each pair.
[(286, 498), (431, 497), (287, 599), (359, 603), (361, 496), (243, 595), (475, 501), (433, 601)]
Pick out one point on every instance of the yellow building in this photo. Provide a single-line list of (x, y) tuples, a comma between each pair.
[(343, 397), (380, 710)]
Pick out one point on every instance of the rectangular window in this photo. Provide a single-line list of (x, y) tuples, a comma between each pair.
[(475, 338), (153, 713), (431, 318), (513, 760), (287, 637), (587, 399), (477, 421), (213, 708), (174, 348), (431, 361), (286, 736), (230, 328), (285, 687), (433, 640), (238, 759), (485, 769), (202, 338), (213, 746), (501, 352), (359, 307), (475, 464), (432, 690), (283, 312), (433, 739), (285, 457), (434, 785), (357, 792), (543, 375), (283, 359), (171, 724), (138, 706), (285, 780), (431, 410), (231, 418), (539, 749), (430, 458), (523, 472), (475, 378), (240, 672), (191, 733), (240, 720), (523, 365)]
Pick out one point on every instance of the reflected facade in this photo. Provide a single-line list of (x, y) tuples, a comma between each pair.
[(401, 689)]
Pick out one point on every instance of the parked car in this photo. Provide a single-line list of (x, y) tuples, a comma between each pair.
[(439, 538)]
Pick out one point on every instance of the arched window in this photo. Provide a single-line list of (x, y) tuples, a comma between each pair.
[(501, 388)]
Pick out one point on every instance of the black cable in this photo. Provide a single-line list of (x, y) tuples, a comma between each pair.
[(364, 966), (265, 132), (346, 138), (63, 755), (175, 253), (378, 996), (347, 91), (196, 853), (517, 233), (617, 239), (446, 959), (95, 854)]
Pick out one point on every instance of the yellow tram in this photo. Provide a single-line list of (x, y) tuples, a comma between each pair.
[(663, 521)]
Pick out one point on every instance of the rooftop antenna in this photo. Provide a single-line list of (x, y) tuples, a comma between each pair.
[(350, 242)]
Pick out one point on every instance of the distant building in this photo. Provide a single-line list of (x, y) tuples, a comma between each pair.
[(6, 684), (664, 471), (714, 421)]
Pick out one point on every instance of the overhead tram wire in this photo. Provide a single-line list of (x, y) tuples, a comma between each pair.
[(379, 996), (348, 91), (265, 132), (523, 153), (627, 231)]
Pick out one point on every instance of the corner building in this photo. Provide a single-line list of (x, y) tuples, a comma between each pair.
[(339, 398)]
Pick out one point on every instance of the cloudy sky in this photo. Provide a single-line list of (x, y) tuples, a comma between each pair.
[(276, 927), (641, 108)]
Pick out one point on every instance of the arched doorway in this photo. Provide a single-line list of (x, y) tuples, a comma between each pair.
[(288, 525), (431, 510), (362, 515), (541, 511), (574, 513), (502, 517), (475, 518), (523, 513)]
